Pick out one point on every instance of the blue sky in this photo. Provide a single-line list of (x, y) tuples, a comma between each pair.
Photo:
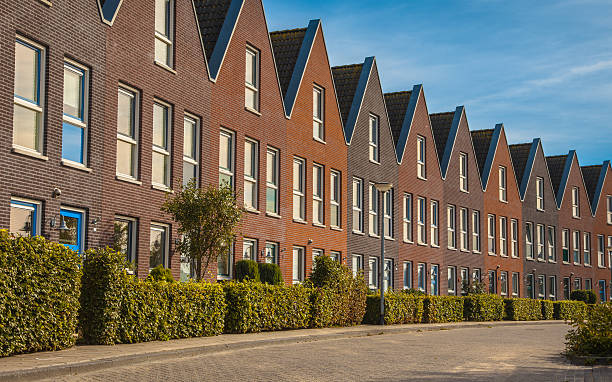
[(543, 68)]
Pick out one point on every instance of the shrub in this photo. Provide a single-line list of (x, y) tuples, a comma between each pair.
[(413, 291), (547, 310), (400, 308), (569, 310), (442, 309), (159, 273), (585, 295), (39, 295), (483, 307), (247, 269), (270, 274), (475, 287), (256, 307), (118, 308), (592, 337), (523, 309)]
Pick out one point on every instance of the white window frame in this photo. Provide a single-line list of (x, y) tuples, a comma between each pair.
[(421, 220), (503, 236), (165, 228), (503, 283), (335, 199), (515, 284), (576, 246), (272, 185), (374, 139), (318, 113), (373, 273), (248, 83), (166, 37), (565, 246), (165, 151), (491, 239), (230, 264), (609, 212), (131, 140), (575, 202), (421, 157), (318, 192), (299, 189), (195, 161), (298, 264), (435, 223), (422, 277), (388, 275), (514, 238), (541, 287), (252, 244), (476, 230), (503, 184), (407, 275), (552, 287), (251, 180), (464, 237), (540, 193), (358, 204), (463, 172), (271, 252), (373, 224), (586, 245), (356, 264), (81, 123), (540, 237), (30, 205), (387, 211), (551, 244), (407, 218), (231, 156), (451, 227), (131, 256), (601, 259), (452, 280), (529, 241)]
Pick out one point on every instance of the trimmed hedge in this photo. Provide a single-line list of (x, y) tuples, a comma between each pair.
[(400, 308), (39, 295), (587, 296), (247, 269), (569, 310), (483, 307), (119, 308), (270, 273), (442, 309), (523, 309), (592, 337), (547, 309)]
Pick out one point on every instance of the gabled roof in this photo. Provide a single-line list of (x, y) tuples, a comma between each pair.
[(523, 157), (287, 45), (402, 139), (397, 104), (594, 179), (108, 10), (442, 124), (558, 168), (481, 139)]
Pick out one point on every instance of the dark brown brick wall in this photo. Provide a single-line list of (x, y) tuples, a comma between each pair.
[(601, 227)]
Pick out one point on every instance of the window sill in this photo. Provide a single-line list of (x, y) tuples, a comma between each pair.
[(541, 261), (451, 248), (389, 238), (422, 244), (588, 265), (128, 179), (164, 66), (504, 256), (273, 215), (318, 225), (45, 2), (601, 266), (576, 263), (319, 140), (540, 210), (252, 210), (492, 254), (334, 228), (257, 113), (576, 217), (421, 178), (465, 250), (223, 278), (374, 162), (408, 241), (528, 259), (465, 191), (552, 261), (503, 201), (27, 152), (567, 263), (300, 221), (515, 257), (359, 233), (161, 187), (76, 166), (374, 236), (477, 252)]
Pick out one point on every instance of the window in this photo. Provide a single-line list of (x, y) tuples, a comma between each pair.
[(334, 199), (224, 264), (491, 234), (421, 156), (357, 205), (318, 101), (251, 160), (249, 249), (374, 139), (251, 79), (503, 283), (28, 96), (476, 231), (422, 277), (373, 210), (75, 222), (514, 235), (299, 189), (74, 127), (161, 145), (540, 193), (540, 241), (529, 250), (576, 248), (356, 264), (566, 288), (552, 287), (158, 246), (407, 221), (492, 282), (435, 276), (541, 287), (503, 236), (187, 269), (565, 238), (421, 217), (503, 195), (388, 275), (25, 217), (465, 281), (316, 252), (373, 272), (124, 237), (529, 286), (476, 274), (318, 182), (336, 256), (575, 202), (515, 284), (587, 284), (552, 244), (298, 264), (609, 198), (407, 274), (577, 283), (127, 132), (452, 281), (388, 214), (271, 253), (435, 226), (463, 229), (601, 260), (463, 172), (272, 160), (451, 219), (587, 248), (191, 145), (163, 31)]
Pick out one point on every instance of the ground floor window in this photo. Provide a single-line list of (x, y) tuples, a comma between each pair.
[(422, 277), (187, 271), (492, 282), (552, 288), (529, 285), (435, 278), (336, 256), (407, 274), (541, 287), (224, 264), (272, 253), (515, 284), (356, 264), (566, 288), (71, 229), (298, 264), (476, 274), (25, 217), (452, 281), (249, 249), (465, 281), (587, 284), (158, 246), (373, 272), (124, 237), (503, 283), (388, 281), (577, 283)]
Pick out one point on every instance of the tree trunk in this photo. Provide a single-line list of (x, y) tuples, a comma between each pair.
[(198, 269)]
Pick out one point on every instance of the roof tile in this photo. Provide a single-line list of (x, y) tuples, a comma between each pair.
[(211, 16), (591, 174), (441, 124), (346, 79), (481, 140), (556, 165), (397, 104), (520, 156), (286, 45)]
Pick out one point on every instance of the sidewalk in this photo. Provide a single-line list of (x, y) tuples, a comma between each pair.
[(81, 359)]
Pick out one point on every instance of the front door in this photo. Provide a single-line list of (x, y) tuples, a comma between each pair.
[(72, 236)]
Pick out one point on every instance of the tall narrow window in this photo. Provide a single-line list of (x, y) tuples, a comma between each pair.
[(503, 283), (318, 174), (529, 250), (421, 156), (407, 274), (476, 274), (503, 236), (161, 145), (422, 277), (224, 264), (575, 202), (435, 280), (28, 96), (492, 282), (463, 229), (374, 139), (388, 214), (421, 218), (298, 264), (503, 194), (463, 172), (251, 160), (407, 221), (540, 193), (491, 234), (25, 217), (127, 133), (587, 248), (541, 287), (249, 249), (158, 250), (551, 240), (451, 220), (515, 284), (357, 205), (576, 246), (476, 231), (334, 199), (465, 281), (74, 134), (272, 159), (373, 210), (163, 31), (514, 235), (552, 287), (435, 223), (540, 241), (251, 79), (316, 252), (529, 281), (226, 158), (271, 253), (452, 281), (191, 145), (124, 237), (601, 260), (356, 264), (388, 275), (299, 189), (318, 101), (373, 272), (565, 239), (609, 198)]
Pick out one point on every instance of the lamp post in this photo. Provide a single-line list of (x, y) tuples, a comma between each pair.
[(382, 188)]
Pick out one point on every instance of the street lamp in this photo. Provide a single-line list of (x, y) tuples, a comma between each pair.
[(382, 188)]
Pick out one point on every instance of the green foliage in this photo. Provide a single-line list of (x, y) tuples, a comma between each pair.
[(413, 291), (547, 309), (400, 308), (483, 307), (523, 309), (118, 308), (207, 220), (159, 273), (256, 307), (569, 310), (247, 270), (270, 273), (475, 287), (585, 295), (39, 295), (442, 309), (592, 337)]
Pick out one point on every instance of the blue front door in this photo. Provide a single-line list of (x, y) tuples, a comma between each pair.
[(72, 237)]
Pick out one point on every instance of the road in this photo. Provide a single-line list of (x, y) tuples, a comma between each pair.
[(518, 353)]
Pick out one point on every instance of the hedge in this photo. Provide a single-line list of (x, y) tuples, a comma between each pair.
[(587, 296), (483, 307), (547, 309), (592, 337), (247, 269), (569, 310), (119, 308), (523, 309), (39, 295), (442, 309), (400, 308), (270, 273)]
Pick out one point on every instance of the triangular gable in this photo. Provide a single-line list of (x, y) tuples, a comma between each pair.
[(447, 139), (108, 10), (565, 177), (523, 159), (400, 146), (486, 157), (397, 104), (594, 178)]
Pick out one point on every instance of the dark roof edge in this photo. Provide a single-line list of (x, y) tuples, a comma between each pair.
[(529, 167), (225, 36), (564, 177), (600, 183), (364, 78), (486, 171), (108, 11), (400, 147), (450, 141), (197, 23)]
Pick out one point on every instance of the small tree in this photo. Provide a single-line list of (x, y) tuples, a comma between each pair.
[(207, 219)]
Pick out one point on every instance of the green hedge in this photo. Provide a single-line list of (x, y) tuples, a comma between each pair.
[(483, 307), (523, 309), (247, 269), (569, 310), (400, 308), (256, 307), (39, 295), (547, 309), (587, 296), (442, 309), (270, 273), (592, 337), (118, 308)]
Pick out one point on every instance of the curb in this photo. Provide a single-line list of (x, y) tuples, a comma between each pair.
[(128, 360)]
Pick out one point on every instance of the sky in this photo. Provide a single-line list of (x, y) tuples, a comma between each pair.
[(542, 68)]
